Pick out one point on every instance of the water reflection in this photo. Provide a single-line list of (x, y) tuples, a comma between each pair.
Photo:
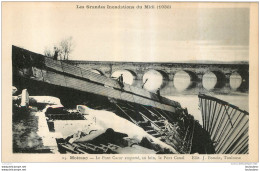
[(128, 77), (181, 80), (154, 80), (209, 81), (235, 81)]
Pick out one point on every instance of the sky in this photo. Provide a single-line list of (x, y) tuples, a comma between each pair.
[(169, 35)]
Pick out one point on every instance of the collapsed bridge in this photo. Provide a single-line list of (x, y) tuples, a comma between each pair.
[(160, 117)]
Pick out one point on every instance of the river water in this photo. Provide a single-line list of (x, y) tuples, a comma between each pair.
[(182, 81), (192, 102)]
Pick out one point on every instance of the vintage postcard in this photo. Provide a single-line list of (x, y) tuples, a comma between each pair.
[(129, 82)]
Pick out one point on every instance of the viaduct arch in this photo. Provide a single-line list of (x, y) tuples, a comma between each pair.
[(196, 71)]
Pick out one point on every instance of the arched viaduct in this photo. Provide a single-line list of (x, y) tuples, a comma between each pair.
[(196, 71)]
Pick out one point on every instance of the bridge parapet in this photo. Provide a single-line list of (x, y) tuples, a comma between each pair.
[(60, 78)]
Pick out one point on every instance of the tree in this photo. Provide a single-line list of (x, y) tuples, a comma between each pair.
[(61, 51), (66, 48)]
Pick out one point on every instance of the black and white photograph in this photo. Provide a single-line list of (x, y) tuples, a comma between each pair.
[(129, 81)]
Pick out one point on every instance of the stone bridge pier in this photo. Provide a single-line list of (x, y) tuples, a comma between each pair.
[(200, 78)]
